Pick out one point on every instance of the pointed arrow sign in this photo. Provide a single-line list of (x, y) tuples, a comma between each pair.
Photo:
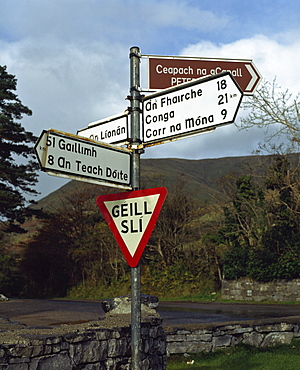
[(190, 109), (112, 130), (73, 157), (167, 71), (131, 217)]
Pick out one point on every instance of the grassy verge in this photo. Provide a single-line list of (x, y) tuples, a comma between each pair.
[(205, 295), (98, 292), (283, 357)]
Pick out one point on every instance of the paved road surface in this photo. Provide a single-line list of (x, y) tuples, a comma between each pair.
[(34, 312), (193, 312)]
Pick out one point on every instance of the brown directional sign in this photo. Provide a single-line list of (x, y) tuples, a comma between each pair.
[(164, 72)]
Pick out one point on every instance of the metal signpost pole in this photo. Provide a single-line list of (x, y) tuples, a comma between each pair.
[(135, 169)]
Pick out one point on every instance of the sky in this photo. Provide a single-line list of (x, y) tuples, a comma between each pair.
[(71, 58)]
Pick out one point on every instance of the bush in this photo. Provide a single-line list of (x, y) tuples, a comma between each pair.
[(235, 263), (10, 282)]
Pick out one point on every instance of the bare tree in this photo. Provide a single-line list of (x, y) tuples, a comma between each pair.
[(277, 111), (175, 225)]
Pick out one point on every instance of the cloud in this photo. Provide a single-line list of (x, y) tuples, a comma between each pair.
[(71, 60), (68, 86), (180, 14), (110, 19), (277, 57)]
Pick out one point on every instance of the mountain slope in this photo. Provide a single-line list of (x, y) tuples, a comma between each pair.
[(201, 176)]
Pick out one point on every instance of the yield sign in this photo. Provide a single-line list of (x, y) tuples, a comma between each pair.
[(131, 217)]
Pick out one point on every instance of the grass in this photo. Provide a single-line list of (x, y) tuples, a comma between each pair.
[(98, 291), (242, 357), (216, 297)]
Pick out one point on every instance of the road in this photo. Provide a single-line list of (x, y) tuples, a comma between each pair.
[(35, 312)]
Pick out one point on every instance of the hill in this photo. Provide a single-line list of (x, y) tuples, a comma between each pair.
[(203, 180), (202, 177)]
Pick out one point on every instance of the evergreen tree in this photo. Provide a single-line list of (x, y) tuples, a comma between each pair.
[(261, 226), (17, 168)]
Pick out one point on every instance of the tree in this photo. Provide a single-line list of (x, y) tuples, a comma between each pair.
[(273, 225), (10, 282), (45, 265), (17, 168), (73, 247), (244, 225), (276, 110), (174, 227), (261, 226), (174, 262)]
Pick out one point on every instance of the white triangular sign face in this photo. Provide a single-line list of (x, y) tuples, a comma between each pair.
[(132, 216)]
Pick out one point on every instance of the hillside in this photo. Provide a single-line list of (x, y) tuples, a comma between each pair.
[(201, 176), (202, 180)]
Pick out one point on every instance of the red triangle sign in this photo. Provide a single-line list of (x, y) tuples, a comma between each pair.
[(131, 217)]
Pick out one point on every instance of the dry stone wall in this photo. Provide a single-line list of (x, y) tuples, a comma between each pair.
[(210, 338), (96, 345), (249, 290), (106, 344)]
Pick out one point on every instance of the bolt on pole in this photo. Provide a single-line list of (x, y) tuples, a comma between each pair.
[(135, 98)]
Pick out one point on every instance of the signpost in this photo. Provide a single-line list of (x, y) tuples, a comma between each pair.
[(164, 72), (131, 218), (190, 108), (135, 103), (112, 130), (207, 100), (66, 155)]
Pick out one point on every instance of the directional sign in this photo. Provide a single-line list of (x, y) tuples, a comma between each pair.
[(66, 155), (165, 72), (131, 217), (191, 108), (112, 130)]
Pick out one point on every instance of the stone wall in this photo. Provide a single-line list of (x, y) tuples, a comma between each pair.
[(106, 344), (249, 290), (97, 345), (205, 338)]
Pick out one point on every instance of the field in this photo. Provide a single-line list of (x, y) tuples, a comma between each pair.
[(283, 357)]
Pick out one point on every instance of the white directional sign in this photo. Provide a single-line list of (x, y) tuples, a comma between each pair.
[(112, 130), (190, 108), (66, 155)]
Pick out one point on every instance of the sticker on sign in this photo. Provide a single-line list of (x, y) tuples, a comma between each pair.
[(191, 108)]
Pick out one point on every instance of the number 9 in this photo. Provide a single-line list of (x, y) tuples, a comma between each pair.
[(224, 113)]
